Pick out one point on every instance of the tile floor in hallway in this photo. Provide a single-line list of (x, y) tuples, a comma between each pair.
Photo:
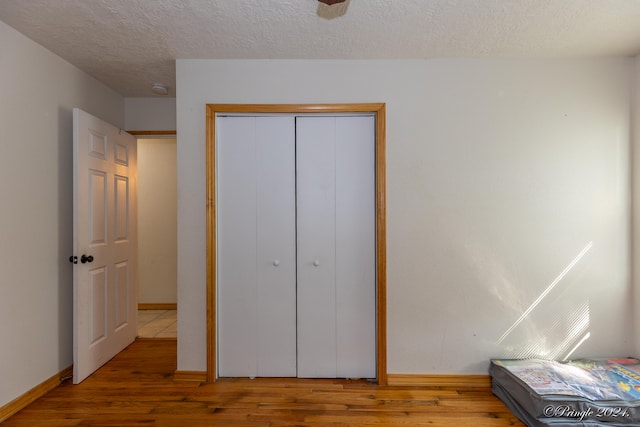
[(157, 324)]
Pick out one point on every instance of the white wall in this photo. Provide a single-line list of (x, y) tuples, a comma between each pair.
[(157, 223), (157, 198), (37, 93), (635, 197), (500, 174), (150, 113)]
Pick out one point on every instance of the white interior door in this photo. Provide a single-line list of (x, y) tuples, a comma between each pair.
[(105, 243), (256, 246), (336, 294), (295, 226)]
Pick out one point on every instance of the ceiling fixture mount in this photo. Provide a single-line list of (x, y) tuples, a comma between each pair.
[(330, 9), (160, 89)]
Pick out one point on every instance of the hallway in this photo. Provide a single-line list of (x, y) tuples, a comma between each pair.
[(157, 324)]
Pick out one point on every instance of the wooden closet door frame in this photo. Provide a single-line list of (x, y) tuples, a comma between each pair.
[(378, 109)]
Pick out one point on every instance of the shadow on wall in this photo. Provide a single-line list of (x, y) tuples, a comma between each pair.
[(65, 233)]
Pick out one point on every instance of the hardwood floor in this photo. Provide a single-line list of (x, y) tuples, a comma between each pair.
[(136, 388)]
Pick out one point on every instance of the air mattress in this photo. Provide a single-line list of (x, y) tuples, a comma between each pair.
[(585, 392)]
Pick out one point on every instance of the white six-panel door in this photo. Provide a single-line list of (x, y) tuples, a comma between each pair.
[(296, 246), (105, 243)]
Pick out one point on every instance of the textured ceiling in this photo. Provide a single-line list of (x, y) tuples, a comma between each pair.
[(129, 44)]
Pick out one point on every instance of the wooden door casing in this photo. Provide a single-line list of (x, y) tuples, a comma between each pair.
[(380, 233)]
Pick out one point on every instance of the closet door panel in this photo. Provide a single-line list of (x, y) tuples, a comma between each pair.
[(315, 154), (236, 251), (256, 246), (276, 247), (355, 247), (296, 252)]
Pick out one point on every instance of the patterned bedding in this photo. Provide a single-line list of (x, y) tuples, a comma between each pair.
[(585, 392)]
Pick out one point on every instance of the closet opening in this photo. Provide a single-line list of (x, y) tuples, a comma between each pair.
[(376, 117)]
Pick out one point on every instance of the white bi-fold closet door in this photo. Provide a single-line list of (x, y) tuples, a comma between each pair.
[(296, 274)]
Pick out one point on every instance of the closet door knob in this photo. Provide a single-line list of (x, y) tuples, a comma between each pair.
[(276, 262), (316, 263)]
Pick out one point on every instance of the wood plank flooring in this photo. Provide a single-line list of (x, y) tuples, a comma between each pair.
[(136, 388)]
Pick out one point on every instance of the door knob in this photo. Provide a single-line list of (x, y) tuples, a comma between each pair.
[(316, 263), (73, 259), (276, 262), (86, 258)]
